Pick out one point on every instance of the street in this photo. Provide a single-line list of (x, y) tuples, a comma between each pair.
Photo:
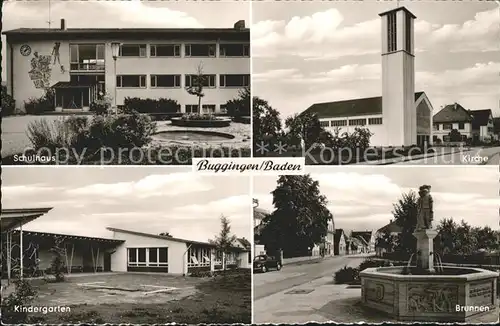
[(273, 305), (476, 156)]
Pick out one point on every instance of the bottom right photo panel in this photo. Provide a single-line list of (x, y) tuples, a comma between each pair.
[(377, 244)]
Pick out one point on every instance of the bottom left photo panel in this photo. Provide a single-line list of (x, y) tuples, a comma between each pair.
[(125, 245)]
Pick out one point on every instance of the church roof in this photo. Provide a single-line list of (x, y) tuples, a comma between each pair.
[(350, 108), (452, 113)]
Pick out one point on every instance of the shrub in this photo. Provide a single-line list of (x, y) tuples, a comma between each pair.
[(240, 106), (40, 105), (57, 268), (23, 295), (8, 103), (159, 106), (346, 275), (50, 135), (198, 116), (371, 263), (101, 105), (201, 274)]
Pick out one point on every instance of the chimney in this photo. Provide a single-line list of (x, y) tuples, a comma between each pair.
[(63, 25), (455, 106), (390, 221), (240, 24)]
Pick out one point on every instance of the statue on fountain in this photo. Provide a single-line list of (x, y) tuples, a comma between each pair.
[(425, 212)]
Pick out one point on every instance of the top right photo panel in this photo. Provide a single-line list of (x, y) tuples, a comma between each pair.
[(393, 82)]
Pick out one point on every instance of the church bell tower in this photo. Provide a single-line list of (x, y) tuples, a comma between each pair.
[(399, 115)]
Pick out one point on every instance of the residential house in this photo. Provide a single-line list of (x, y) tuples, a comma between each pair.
[(496, 128), (80, 63), (368, 238), (330, 239), (354, 246), (340, 244), (483, 128), (452, 116), (476, 125), (391, 228), (259, 215)]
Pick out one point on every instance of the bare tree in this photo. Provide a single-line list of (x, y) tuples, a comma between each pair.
[(198, 82)]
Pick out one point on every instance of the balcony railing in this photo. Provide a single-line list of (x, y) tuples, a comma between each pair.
[(87, 67)]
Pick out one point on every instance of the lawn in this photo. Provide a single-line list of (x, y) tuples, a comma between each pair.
[(147, 299)]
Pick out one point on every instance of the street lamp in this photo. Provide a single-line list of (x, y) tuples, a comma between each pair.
[(115, 51)]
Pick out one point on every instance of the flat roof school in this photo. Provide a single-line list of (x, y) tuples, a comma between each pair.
[(28, 253), (79, 63)]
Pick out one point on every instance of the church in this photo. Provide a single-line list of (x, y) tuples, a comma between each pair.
[(401, 116)]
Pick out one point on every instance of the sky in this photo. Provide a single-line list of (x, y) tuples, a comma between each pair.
[(311, 52), (122, 14), (362, 198), (86, 200)]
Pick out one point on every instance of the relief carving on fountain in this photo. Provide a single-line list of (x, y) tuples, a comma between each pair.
[(432, 298)]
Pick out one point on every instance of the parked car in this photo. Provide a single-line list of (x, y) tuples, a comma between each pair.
[(263, 263)]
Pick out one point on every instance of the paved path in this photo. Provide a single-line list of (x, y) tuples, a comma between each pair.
[(272, 305), (476, 156)]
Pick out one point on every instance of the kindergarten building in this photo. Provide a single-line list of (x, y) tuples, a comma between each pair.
[(148, 63), (31, 253)]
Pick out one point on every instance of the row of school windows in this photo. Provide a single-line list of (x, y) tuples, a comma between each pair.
[(80, 53), (156, 257), (351, 122), (174, 81), (190, 50)]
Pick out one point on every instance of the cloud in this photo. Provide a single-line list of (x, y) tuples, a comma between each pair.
[(323, 35), (150, 186), (14, 191), (225, 206)]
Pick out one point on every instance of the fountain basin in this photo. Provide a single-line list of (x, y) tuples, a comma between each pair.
[(212, 123), (459, 294), (192, 136)]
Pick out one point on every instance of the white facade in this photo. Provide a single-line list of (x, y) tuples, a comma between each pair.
[(177, 251), (379, 128), (26, 79), (182, 255), (443, 129)]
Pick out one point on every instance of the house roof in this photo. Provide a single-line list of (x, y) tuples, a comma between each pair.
[(480, 118), (350, 108), (365, 235), (392, 227), (30, 34), (68, 236), (452, 113), (12, 218), (362, 240), (245, 243), (149, 235), (259, 213), (339, 233)]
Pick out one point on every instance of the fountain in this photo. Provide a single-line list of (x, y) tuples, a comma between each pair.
[(427, 292)]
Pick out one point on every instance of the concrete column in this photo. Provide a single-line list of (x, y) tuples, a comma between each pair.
[(212, 260), (21, 251), (425, 251)]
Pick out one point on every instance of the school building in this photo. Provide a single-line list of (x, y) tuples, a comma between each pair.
[(149, 63)]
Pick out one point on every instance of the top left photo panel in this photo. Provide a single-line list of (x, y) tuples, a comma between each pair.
[(125, 83)]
